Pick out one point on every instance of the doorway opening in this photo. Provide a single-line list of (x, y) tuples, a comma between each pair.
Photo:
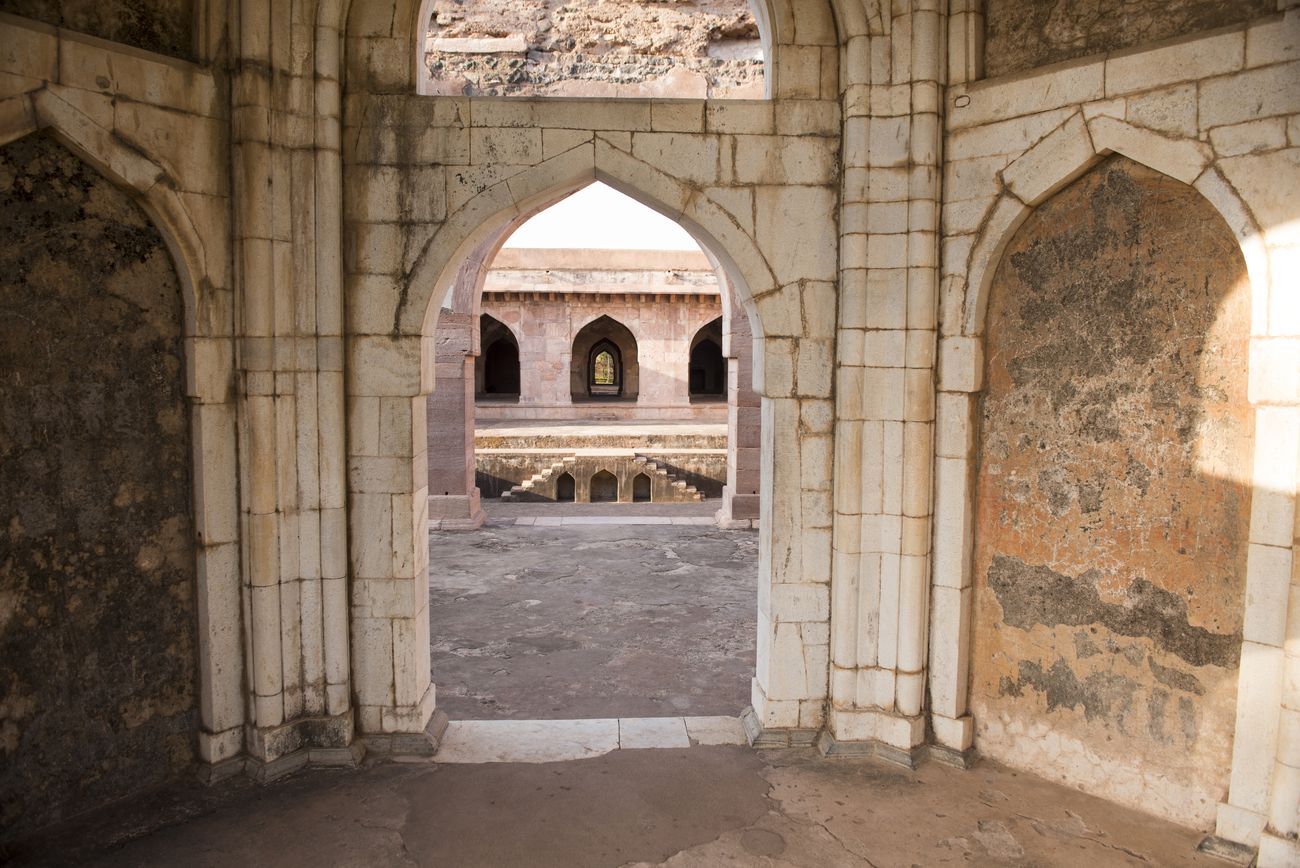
[(613, 320)]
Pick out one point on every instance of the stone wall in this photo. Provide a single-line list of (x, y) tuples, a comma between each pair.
[(164, 26), (1112, 512), (97, 608), (547, 298), (685, 49), (1023, 34), (314, 173)]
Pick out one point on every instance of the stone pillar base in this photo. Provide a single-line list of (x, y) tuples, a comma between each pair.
[(267, 745), (1277, 852), (738, 511), (456, 511), (877, 725), (1230, 851), (955, 734), (762, 738), (276, 751), (830, 746), (410, 744)]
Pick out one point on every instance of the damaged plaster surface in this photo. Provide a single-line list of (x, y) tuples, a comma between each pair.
[(1109, 604), (97, 562), (1023, 34), (699, 806), (163, 26), (592, 621)]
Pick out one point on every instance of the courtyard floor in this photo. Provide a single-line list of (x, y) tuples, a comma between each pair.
[(600, 619), (607, 623), (697, 806)]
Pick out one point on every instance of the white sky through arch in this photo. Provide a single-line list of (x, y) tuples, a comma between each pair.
[(600, 217)]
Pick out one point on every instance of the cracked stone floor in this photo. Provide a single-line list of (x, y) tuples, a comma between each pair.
[(612, 621), (594, 621), (698, 806)]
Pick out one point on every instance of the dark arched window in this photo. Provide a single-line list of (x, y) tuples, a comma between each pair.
[(564, 488), (641, 489), (707, 370), (496, 370), (501, 368), (605, 370)]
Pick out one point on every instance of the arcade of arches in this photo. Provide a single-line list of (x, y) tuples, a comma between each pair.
[(998, 303)]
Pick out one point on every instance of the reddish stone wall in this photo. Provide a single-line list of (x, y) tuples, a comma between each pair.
[(546, 298), (1023, 34), (97, 616), (1112, 517)]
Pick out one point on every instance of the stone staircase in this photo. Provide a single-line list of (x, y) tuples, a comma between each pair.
[(625, 464), (654, 471), (538, 481)]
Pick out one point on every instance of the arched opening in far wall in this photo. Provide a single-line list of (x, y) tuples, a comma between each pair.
[(604, 362), (497, 367), (604, 429)]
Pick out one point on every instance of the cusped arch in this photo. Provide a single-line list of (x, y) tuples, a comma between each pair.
[(1066, 154)]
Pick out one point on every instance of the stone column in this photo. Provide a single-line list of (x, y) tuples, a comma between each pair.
[(744, 423), (289, 324), (885, 392), (453, 496)]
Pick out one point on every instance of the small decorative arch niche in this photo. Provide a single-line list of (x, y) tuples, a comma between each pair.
[(707, 367), (496, 370), (565, 488), (604, 363), (641, 489), (604, 487)]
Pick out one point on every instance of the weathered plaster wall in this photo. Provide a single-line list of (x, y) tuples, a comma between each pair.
[(164, 26), (97, 614), (1113, 500), (1023, 34)]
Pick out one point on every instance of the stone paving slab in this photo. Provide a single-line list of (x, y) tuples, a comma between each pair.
[(539, 741)]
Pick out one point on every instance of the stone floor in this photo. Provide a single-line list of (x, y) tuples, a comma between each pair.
[(620, 623), (596, 621), (697, 806)]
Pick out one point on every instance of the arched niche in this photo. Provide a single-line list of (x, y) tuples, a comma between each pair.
[(565, 488), (642, 489), (706, 365), (99, 576), (1113, 494), (603, 487), (603, 364), (496, 370)]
